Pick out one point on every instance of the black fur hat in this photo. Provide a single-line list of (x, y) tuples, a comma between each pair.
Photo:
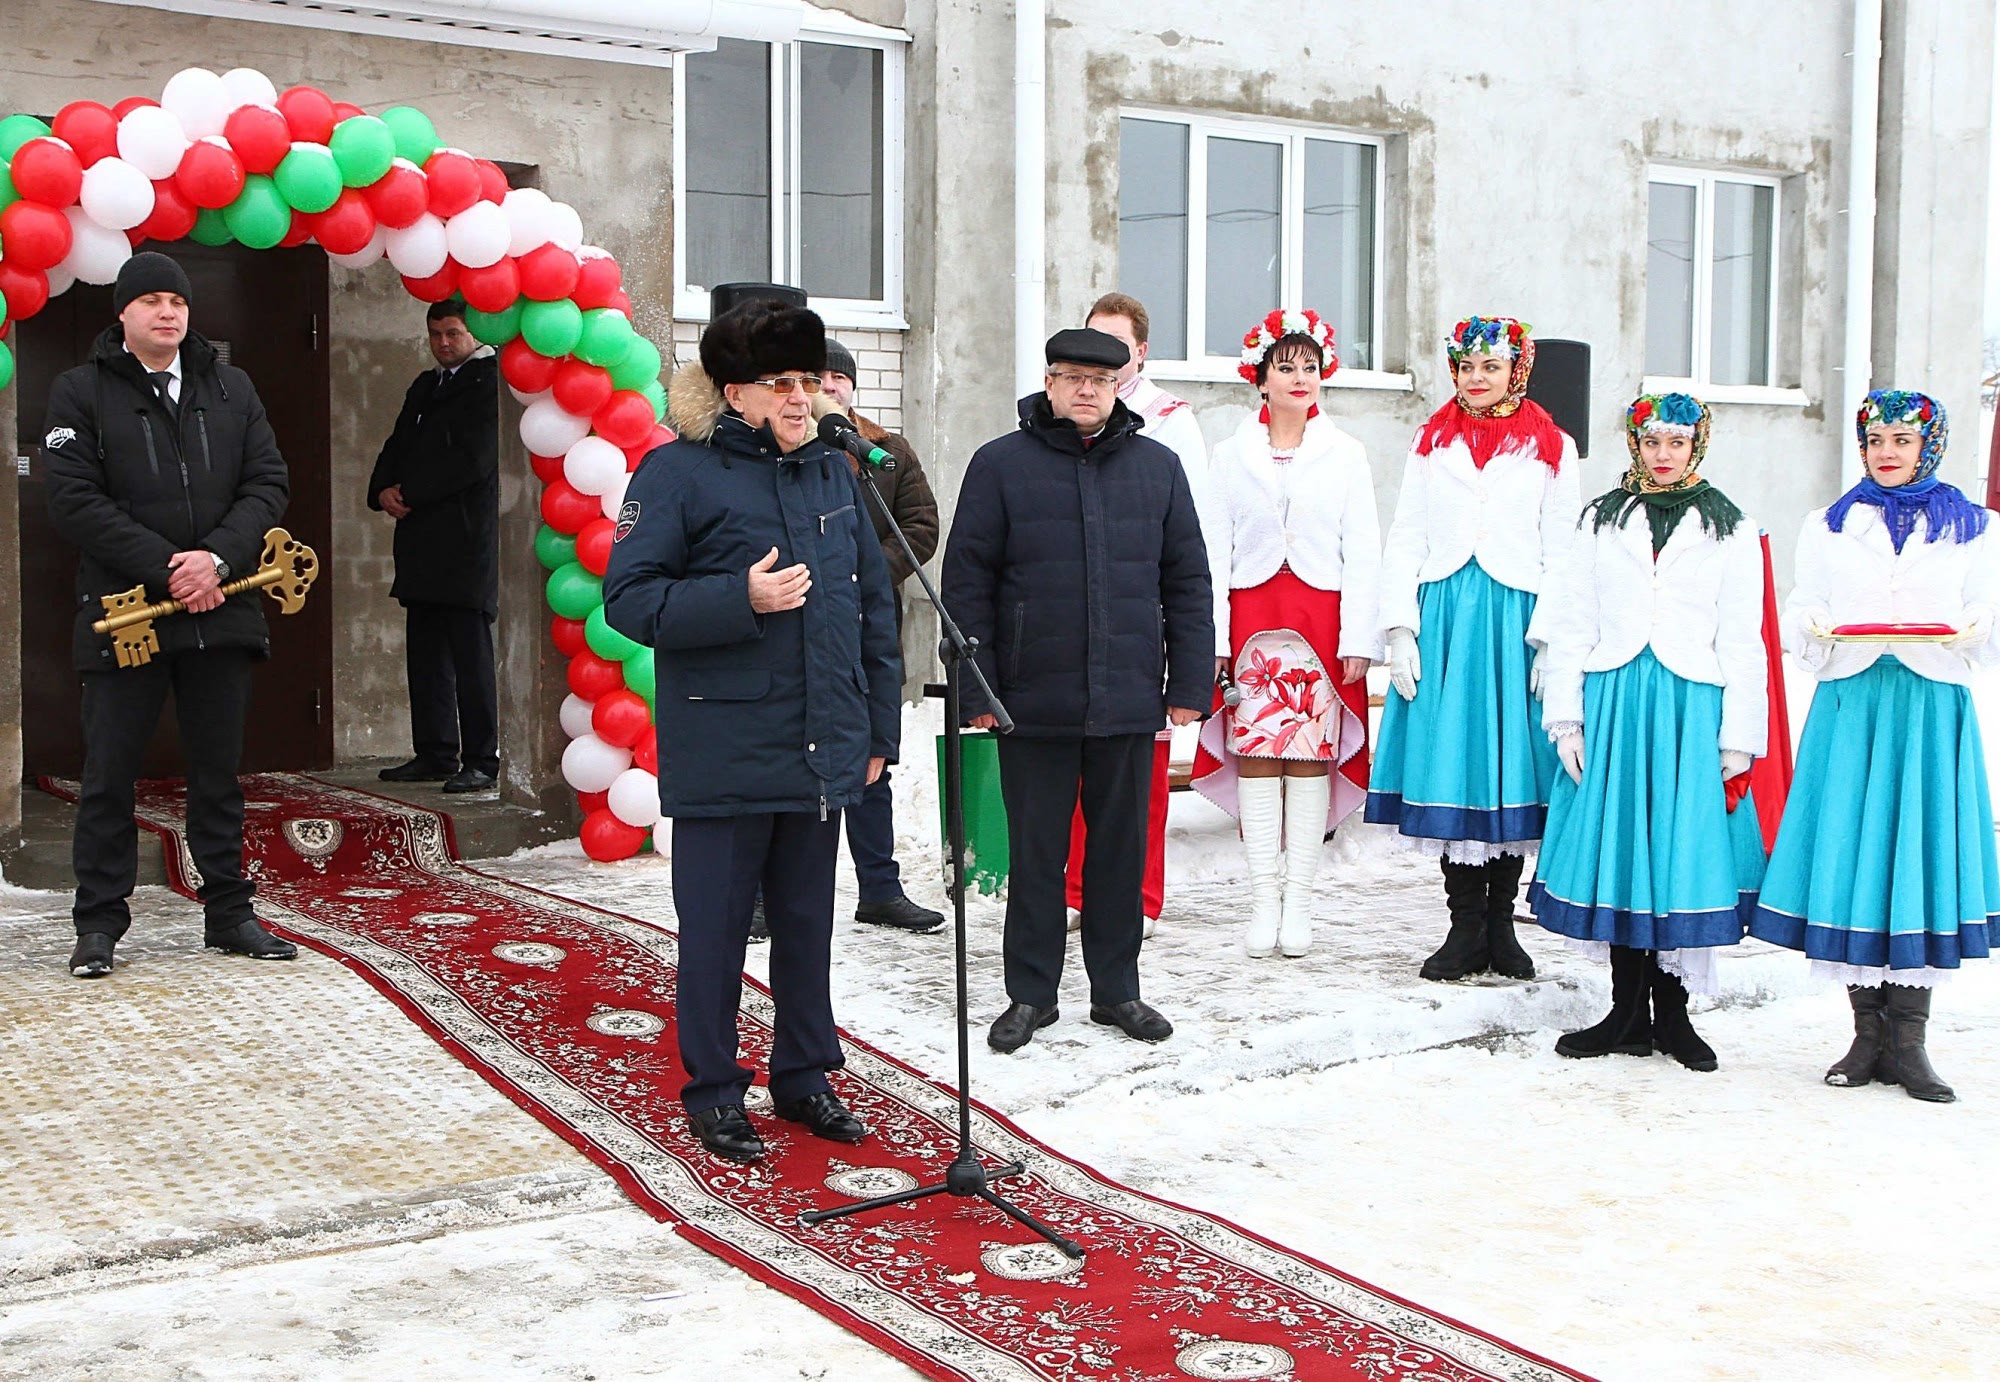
[(762, 338)]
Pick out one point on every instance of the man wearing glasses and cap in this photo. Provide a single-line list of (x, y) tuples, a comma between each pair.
[(1077, 562)]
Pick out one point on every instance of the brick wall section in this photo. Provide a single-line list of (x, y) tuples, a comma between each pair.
[(878, 355)]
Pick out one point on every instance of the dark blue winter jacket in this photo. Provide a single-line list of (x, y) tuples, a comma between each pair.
[(756, 712), (1082, 573)]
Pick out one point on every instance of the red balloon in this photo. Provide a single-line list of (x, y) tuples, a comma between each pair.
[(593, 801), (597, 279), (491, 289), (567, 635), (437, 287), (646, 753), (210, 174), (620, 717), (308, 113), (593, 677), (565, 510), (607, 839), (548, 469), (548, 273), (34, 236), (346, 110), (623, 303), (261, 137), (88, 127), (492, 182), (524, 369), (593, 545), (47, 171), (26, 289), (347, 226), (399, 196), (301, 231), (130, 104), (626, 420), (581, 389), (173, 214), (453, 180)]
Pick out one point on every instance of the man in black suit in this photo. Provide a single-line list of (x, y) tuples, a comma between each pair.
[(439, 477)]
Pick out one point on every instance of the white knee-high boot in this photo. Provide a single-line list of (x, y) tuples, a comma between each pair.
[(1305, 833), (1261, 810)]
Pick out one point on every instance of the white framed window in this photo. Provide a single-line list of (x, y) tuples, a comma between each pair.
[(1711, 279), (788, 168), (1220, 220)]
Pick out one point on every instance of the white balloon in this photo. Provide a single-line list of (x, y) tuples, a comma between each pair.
[(593, 465), (478, 236), (635, 798), (566, 227), (419, 250), (199, 98), (591, 765), (96, 252), (116, 194), (529, 400), (575, 715), (377, 246), (60, 279), (663, 837), (246, 86), (151, 139), (547, 429), (613, 499), (527, 210)]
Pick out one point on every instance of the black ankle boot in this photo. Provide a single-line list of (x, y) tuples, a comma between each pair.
[(1857, 1067), (1503, 945), (1672, 1032), (1628, 1029), (1464, 949), (1906, 1062)]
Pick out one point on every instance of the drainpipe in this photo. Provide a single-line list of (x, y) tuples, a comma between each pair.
[(1030, 190), (1858, 336)]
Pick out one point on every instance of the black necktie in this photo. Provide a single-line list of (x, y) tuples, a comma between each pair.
[(163, 381)]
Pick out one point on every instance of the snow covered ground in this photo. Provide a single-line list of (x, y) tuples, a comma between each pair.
[(1625, 1217)]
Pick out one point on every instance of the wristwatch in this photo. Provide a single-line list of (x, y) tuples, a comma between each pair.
[(221, 567)]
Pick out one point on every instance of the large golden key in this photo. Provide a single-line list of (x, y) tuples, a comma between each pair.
[(286, 572)]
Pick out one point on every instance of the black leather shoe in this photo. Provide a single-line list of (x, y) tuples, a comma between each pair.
[(471, 780), (1136, 1019), (760, 929), (726, 1131), (92, 957), (416, 770), (902, 914), (1017, 1026), (824, 1116), (253, 940)]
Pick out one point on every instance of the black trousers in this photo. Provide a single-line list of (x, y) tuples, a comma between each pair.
[(719, 863), (871, 842), (454, 710), (1041, 781), (211, 692)]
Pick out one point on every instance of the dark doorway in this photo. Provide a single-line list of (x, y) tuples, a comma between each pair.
[(267, 311)]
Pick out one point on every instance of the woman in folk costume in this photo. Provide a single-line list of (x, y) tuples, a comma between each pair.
[(1884, 871), (1487, 513), (1656, 701), (1294, 550)]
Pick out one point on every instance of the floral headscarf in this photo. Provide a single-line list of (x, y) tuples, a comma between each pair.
[(1494, 336), (1516, 423), (1669, 414), (1944, 509), (1905, 407)]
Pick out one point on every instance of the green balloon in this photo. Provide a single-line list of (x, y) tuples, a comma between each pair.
[(6, 365), (639, 674), (639, 367), (655, 393), (259, 217), (606, 338), (494, 328), (8, 196), (363, 147), (210, 228), (309, 178), (554, 549), (573, 591), (17, 130), (552, 328), (3, 309), (416, 137), (605, 641)]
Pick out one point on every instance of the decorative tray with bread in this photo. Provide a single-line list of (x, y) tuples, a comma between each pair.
[(1893, 633)]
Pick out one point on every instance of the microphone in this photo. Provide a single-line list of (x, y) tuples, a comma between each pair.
[(836, 431), (1231, 695)]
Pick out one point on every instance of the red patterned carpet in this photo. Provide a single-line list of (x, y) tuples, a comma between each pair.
[(568, 1010)]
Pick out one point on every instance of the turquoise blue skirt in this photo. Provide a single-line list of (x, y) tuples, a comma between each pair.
[(1645, 851), (1467, 759), (1885, 857)]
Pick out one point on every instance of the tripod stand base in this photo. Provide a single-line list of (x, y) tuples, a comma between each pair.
[(967, 1180)]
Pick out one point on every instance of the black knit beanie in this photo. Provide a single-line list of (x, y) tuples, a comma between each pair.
[(150, 272)]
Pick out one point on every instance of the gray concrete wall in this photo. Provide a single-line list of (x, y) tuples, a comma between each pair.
[(10, 629)]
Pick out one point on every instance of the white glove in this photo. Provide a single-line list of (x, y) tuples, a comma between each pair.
[(1978, 631), (1569, 749), (1537, 673), (1819, 644), (1405, 667), (1735, 763)]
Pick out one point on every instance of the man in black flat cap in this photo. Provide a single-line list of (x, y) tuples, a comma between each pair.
[(1076, 561), (163, 471)]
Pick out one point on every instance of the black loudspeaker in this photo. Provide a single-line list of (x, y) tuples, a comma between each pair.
[(723, 296), (1561, 383)]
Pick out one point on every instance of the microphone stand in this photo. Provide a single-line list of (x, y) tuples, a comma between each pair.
[(966, 1177)]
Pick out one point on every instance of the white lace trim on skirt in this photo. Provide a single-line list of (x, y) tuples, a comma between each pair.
[(1865, 977), (1694, 967)]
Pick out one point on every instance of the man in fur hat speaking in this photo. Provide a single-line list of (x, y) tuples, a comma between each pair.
[(745, 560)]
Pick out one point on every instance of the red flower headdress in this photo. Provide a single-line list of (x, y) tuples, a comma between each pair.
[(1283, 322)]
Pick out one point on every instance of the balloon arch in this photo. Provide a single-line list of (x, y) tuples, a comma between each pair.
[(230, 158)]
